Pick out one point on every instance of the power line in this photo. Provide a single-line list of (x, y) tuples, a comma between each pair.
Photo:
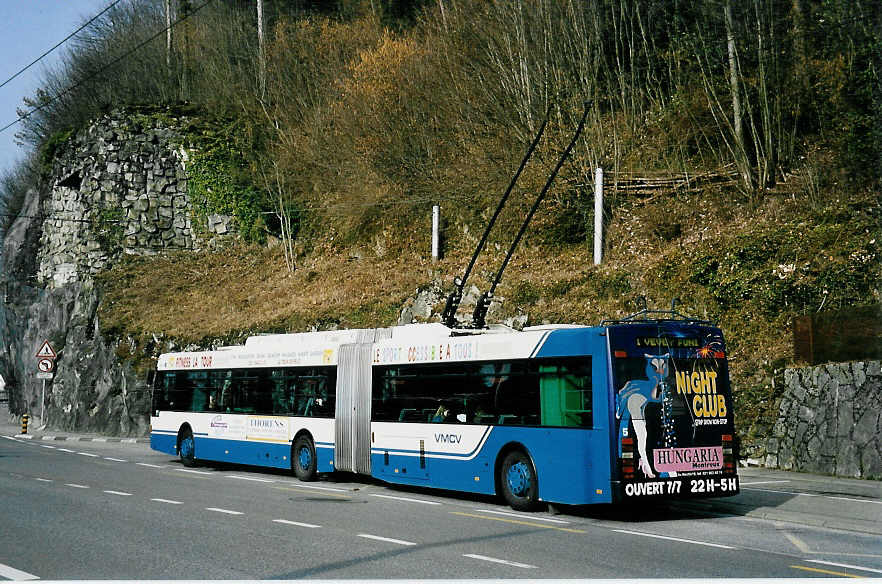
[(106, 66), (67, 38)]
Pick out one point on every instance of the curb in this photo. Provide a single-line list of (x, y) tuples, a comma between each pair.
[(50, 437)]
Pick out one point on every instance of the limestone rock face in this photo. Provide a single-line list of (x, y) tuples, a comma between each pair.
[(117, 187)]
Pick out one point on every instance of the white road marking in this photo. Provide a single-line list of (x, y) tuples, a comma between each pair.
[(743, 484), (9, 438), (227, 511), (169, 501), (12, 574), (45, 480), (423, 501), (497, 561), (149, 465), (76, 486), (519, 516), (88, 454), (302, 486), (875, 502), (115, 459), (853, 499), (99, 439), (256, 480), (297, 523), (201, 472), (715, 545), (47, 446), (853, 567), (120, 493), (67, 450), (783, 492), (386, 539)]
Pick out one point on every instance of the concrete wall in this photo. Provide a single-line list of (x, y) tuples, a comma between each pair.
[(830, 421)]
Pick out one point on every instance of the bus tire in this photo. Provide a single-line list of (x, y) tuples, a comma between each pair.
[(187, 448), (303, 459), (518, 481)]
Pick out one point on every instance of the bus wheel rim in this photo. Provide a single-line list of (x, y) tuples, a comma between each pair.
[(304, 457), (187, 447), (519, 479)]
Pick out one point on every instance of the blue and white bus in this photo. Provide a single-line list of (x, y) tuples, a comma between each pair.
[(633, 409)]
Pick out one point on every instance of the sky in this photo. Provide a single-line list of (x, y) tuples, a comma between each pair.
[(28, 28)]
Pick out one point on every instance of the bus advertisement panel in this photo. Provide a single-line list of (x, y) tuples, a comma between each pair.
[(673, 411)]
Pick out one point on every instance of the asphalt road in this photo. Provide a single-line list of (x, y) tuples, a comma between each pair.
[(92, 510)]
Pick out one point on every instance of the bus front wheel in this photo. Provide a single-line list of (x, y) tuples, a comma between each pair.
[(518, 481), (303, 459), (187, 448)]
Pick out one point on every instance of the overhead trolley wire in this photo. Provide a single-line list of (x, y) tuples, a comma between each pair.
[(61, 42), (106, 66)]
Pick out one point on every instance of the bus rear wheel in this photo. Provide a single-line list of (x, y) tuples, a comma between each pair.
[(518, 481), (303, 459), (187, 448)]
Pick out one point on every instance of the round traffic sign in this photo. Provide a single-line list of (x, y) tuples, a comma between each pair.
[(46, 365)]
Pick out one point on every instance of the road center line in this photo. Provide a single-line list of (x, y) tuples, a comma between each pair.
[(297, 523), (44, 480), (297, 490), (507, 514), (386, 539), (120, 493), (256, 480), (67, 450), (763, 483), (783, 492), (497, 561), (715, 545), (47, 446), (149, 465), (76, 486), (169, 501), (849, 566), (115, 459), (853, 499), (518, 522), (88, 454), (820, 571), (406, 499), (227, 511), (13, 574)]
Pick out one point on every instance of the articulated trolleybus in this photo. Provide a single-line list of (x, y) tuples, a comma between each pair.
[(633, 409)]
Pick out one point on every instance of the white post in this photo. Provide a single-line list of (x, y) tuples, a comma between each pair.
[(598, 216), (436, 220)]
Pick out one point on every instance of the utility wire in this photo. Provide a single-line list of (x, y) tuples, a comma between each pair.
[(106, 66), (67, 38)]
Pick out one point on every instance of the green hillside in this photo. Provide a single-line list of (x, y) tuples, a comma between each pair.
[(740, 144)]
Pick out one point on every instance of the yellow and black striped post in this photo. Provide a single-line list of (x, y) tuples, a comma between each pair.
[(24, 424)]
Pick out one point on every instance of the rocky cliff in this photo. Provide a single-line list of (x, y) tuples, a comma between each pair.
[(115, 188)]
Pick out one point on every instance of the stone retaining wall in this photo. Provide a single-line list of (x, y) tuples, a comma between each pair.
[(830, 421), (118, 187)]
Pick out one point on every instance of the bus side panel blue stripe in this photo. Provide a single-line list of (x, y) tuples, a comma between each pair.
[(563, 458), (567, 343), (241, 452)]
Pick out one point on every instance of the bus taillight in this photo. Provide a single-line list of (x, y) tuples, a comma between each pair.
[(627, 460), (728, 453)]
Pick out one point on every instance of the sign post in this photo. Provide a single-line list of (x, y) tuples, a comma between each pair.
[(46, 356)]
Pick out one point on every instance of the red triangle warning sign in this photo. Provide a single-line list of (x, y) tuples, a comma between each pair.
[(46, 351)]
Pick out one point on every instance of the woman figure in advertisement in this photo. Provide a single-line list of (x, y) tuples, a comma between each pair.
[(632, 401)]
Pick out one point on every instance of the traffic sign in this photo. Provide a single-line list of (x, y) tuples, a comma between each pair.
[(46, 351), (44, 375), (45, 365)]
